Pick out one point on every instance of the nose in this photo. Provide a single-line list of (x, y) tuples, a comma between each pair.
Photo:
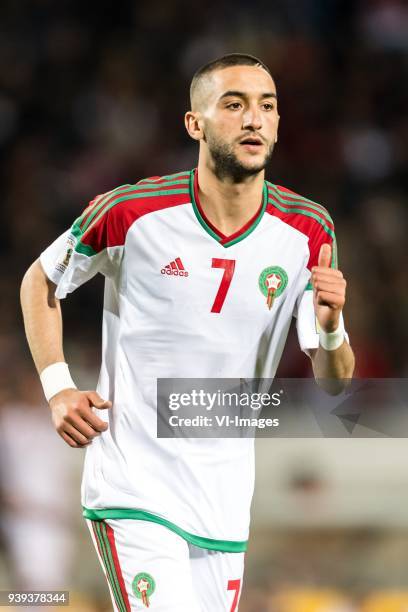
[(252, 118)]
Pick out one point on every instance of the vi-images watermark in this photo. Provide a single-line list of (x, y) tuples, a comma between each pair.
[(210, 401), (217, 409), (281, 407)]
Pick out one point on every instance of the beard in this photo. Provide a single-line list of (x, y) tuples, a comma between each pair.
[(227, 164)]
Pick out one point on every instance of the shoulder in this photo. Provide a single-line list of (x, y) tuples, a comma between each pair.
[(305, 215), (147, 195), (109, 216)]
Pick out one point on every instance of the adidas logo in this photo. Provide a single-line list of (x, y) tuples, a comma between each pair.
[(175, 268)]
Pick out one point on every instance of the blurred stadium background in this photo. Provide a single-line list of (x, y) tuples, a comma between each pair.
[(92, 95)]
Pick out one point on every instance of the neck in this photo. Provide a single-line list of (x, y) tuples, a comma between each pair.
[(229, 205)]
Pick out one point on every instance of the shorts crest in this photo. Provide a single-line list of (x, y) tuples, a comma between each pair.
[(143, 586)]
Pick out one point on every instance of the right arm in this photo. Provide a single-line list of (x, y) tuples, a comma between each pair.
[(42, 317), (72, 410)]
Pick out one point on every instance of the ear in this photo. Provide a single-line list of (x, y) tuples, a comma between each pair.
[(193, 123)]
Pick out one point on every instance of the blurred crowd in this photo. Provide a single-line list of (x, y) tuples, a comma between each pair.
[(92, 95)]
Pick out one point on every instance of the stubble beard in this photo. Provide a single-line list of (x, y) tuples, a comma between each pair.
[(228, 166)]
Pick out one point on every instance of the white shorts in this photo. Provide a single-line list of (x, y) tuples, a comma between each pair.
[(149, 566)]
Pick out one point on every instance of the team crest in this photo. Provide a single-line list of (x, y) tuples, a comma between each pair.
[(272, 283), (143, 586)]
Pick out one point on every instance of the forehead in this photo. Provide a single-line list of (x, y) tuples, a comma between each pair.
[(252, 80)]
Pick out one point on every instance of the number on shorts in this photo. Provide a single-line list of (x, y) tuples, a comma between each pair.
[(234, 585)]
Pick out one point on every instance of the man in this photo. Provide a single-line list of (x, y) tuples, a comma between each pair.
[(204, 270)]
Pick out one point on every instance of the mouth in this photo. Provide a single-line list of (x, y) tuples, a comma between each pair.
[(251, 143)]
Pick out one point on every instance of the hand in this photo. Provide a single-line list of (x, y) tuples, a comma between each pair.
[(74, 418), (329, 291)]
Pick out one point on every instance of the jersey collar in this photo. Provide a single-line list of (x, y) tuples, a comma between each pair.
[(237, 236)]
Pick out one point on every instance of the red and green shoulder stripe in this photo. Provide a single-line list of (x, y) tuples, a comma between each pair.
[(105, 222), (308, 217)]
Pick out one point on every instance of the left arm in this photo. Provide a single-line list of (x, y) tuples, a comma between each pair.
[(337, 364), (333, 361)]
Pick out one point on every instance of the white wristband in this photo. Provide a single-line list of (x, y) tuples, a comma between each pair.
[(332, 340), (55, 378)]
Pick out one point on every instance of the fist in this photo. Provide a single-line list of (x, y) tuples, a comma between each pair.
[(73, 416), (329, 291)]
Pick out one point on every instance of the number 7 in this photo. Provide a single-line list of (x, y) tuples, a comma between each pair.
[(233, 585), (229, 267)]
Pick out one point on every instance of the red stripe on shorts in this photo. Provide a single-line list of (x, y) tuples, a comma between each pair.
[(111, 538)]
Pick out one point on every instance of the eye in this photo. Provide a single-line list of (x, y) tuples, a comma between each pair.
[(234, 105), (268, 106)]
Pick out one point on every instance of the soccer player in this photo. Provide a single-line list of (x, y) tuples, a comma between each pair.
[(204, 270)]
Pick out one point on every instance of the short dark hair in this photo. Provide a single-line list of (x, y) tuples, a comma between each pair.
[(231, 59)]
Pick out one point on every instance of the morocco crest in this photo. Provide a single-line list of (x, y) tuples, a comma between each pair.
[(143, 586), (272, 283)]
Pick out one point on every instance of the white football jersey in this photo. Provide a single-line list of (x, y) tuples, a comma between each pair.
[(184, 301)]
